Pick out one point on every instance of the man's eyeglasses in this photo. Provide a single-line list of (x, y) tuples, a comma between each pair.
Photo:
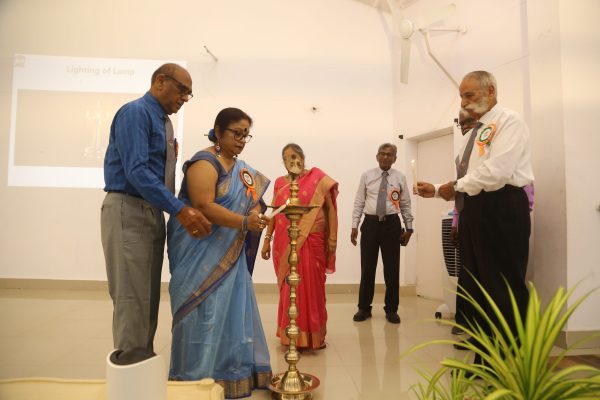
[(239, 135), (384, 154), (183, 89)]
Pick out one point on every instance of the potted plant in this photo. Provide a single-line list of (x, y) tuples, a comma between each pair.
[(516, 365)]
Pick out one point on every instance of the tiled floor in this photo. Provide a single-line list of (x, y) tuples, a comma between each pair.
[(67, 334)]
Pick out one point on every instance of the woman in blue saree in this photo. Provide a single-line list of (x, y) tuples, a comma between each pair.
[(217, 331)]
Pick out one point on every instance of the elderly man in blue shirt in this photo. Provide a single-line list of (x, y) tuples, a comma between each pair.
[(139, 176)]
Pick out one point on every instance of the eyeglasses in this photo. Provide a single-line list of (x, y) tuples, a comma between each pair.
[(183, 89), (239, 135), (384, 154)]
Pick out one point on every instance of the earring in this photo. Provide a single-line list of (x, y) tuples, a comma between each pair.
[(218, 149)]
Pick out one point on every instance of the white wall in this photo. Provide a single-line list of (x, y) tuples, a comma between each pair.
[(432, 277), (580, 44), (544, 55), (277, 59), (564, 42), (430, 101)]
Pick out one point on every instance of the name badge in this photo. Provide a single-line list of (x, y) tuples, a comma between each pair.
[(395, 198)]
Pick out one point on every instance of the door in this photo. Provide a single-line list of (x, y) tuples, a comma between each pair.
[(435, 164)]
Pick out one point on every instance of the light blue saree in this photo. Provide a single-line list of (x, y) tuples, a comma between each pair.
[(217, 331)]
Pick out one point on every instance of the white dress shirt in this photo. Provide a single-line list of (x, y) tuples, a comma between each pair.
[(368, 190), (506, 160)]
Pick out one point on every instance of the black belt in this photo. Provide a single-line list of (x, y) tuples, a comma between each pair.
[(379, 219), (125, 193), (509, 188), (503, 189)]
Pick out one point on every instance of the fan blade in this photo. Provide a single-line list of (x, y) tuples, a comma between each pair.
[(404, 59), (394, 9), (434, 16), (403, 29)]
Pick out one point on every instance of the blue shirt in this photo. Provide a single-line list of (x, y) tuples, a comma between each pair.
[(136, 154)]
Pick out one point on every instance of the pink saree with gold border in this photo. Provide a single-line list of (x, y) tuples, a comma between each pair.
[(313, 259)]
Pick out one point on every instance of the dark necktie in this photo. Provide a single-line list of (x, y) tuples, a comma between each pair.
[(171, 157), (382, 196), (461, 168)]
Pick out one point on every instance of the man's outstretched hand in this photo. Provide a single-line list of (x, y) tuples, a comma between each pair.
[(447, 191), (424, 189)]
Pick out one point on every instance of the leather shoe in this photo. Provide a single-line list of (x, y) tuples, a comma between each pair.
[(457, 331), (392, 318), (361, 315)]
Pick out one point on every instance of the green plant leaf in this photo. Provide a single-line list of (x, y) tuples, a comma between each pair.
[(516, 364)]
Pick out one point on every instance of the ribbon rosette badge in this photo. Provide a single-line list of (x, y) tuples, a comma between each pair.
[(248, 181), (395, 198), (485, 137)]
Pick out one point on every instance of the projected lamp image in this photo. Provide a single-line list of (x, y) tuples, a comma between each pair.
[(62, 108)]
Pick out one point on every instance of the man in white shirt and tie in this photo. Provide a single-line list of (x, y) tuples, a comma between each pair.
[(381, 195), (494, 222)]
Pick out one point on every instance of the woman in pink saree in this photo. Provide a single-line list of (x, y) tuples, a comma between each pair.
[(316, 249)]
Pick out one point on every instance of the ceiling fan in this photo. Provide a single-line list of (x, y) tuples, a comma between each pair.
[(404, 28)]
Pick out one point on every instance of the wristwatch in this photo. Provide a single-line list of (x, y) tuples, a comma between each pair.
[(411, 230)]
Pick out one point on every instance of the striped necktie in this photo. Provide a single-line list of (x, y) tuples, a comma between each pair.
[(461, 168), (382, 196), (171, 160)]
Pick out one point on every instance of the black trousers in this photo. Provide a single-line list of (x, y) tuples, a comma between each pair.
[(384, 235), (494, 246)]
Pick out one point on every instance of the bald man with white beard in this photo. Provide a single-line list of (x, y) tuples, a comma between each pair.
[(494, 222)]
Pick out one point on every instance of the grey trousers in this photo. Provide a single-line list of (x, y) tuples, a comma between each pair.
[(133, 239)]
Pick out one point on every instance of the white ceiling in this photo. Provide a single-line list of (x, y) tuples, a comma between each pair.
[(383, 4)]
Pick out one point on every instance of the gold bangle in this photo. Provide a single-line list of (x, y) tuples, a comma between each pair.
[(268, 237)]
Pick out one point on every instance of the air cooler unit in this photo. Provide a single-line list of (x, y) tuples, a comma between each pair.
[(451, 272)]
